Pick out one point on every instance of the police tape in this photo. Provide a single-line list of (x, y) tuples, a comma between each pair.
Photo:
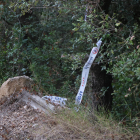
[(85, 72), (62, 101), (55, 100)]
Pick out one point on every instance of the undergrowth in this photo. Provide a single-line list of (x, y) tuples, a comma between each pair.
[(94, 125)]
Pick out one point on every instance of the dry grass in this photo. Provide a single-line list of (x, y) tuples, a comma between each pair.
[(83, 126), (66, 124)]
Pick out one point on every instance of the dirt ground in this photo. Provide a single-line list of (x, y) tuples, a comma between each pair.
[(19, 121)]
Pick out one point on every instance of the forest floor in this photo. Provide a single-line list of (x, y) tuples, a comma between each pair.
[(19, 121)]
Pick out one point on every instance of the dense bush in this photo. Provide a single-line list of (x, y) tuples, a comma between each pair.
[(48, 40)]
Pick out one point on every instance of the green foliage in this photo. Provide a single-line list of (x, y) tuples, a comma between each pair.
[(120, 57), (126, 86), (48, 40), (37, 42)]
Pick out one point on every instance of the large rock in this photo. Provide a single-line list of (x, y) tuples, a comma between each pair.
[(14, 84)]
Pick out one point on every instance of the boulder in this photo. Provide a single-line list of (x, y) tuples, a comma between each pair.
[(13, 85)]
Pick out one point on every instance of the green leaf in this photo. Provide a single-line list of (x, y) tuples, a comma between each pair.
[(117, 24), (75, 29), (116, 29), (106, 18)]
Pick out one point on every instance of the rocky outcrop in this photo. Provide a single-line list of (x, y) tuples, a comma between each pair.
[(13, 85)]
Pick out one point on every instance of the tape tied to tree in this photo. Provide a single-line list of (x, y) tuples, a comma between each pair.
[(85, 72), (62, 101)]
